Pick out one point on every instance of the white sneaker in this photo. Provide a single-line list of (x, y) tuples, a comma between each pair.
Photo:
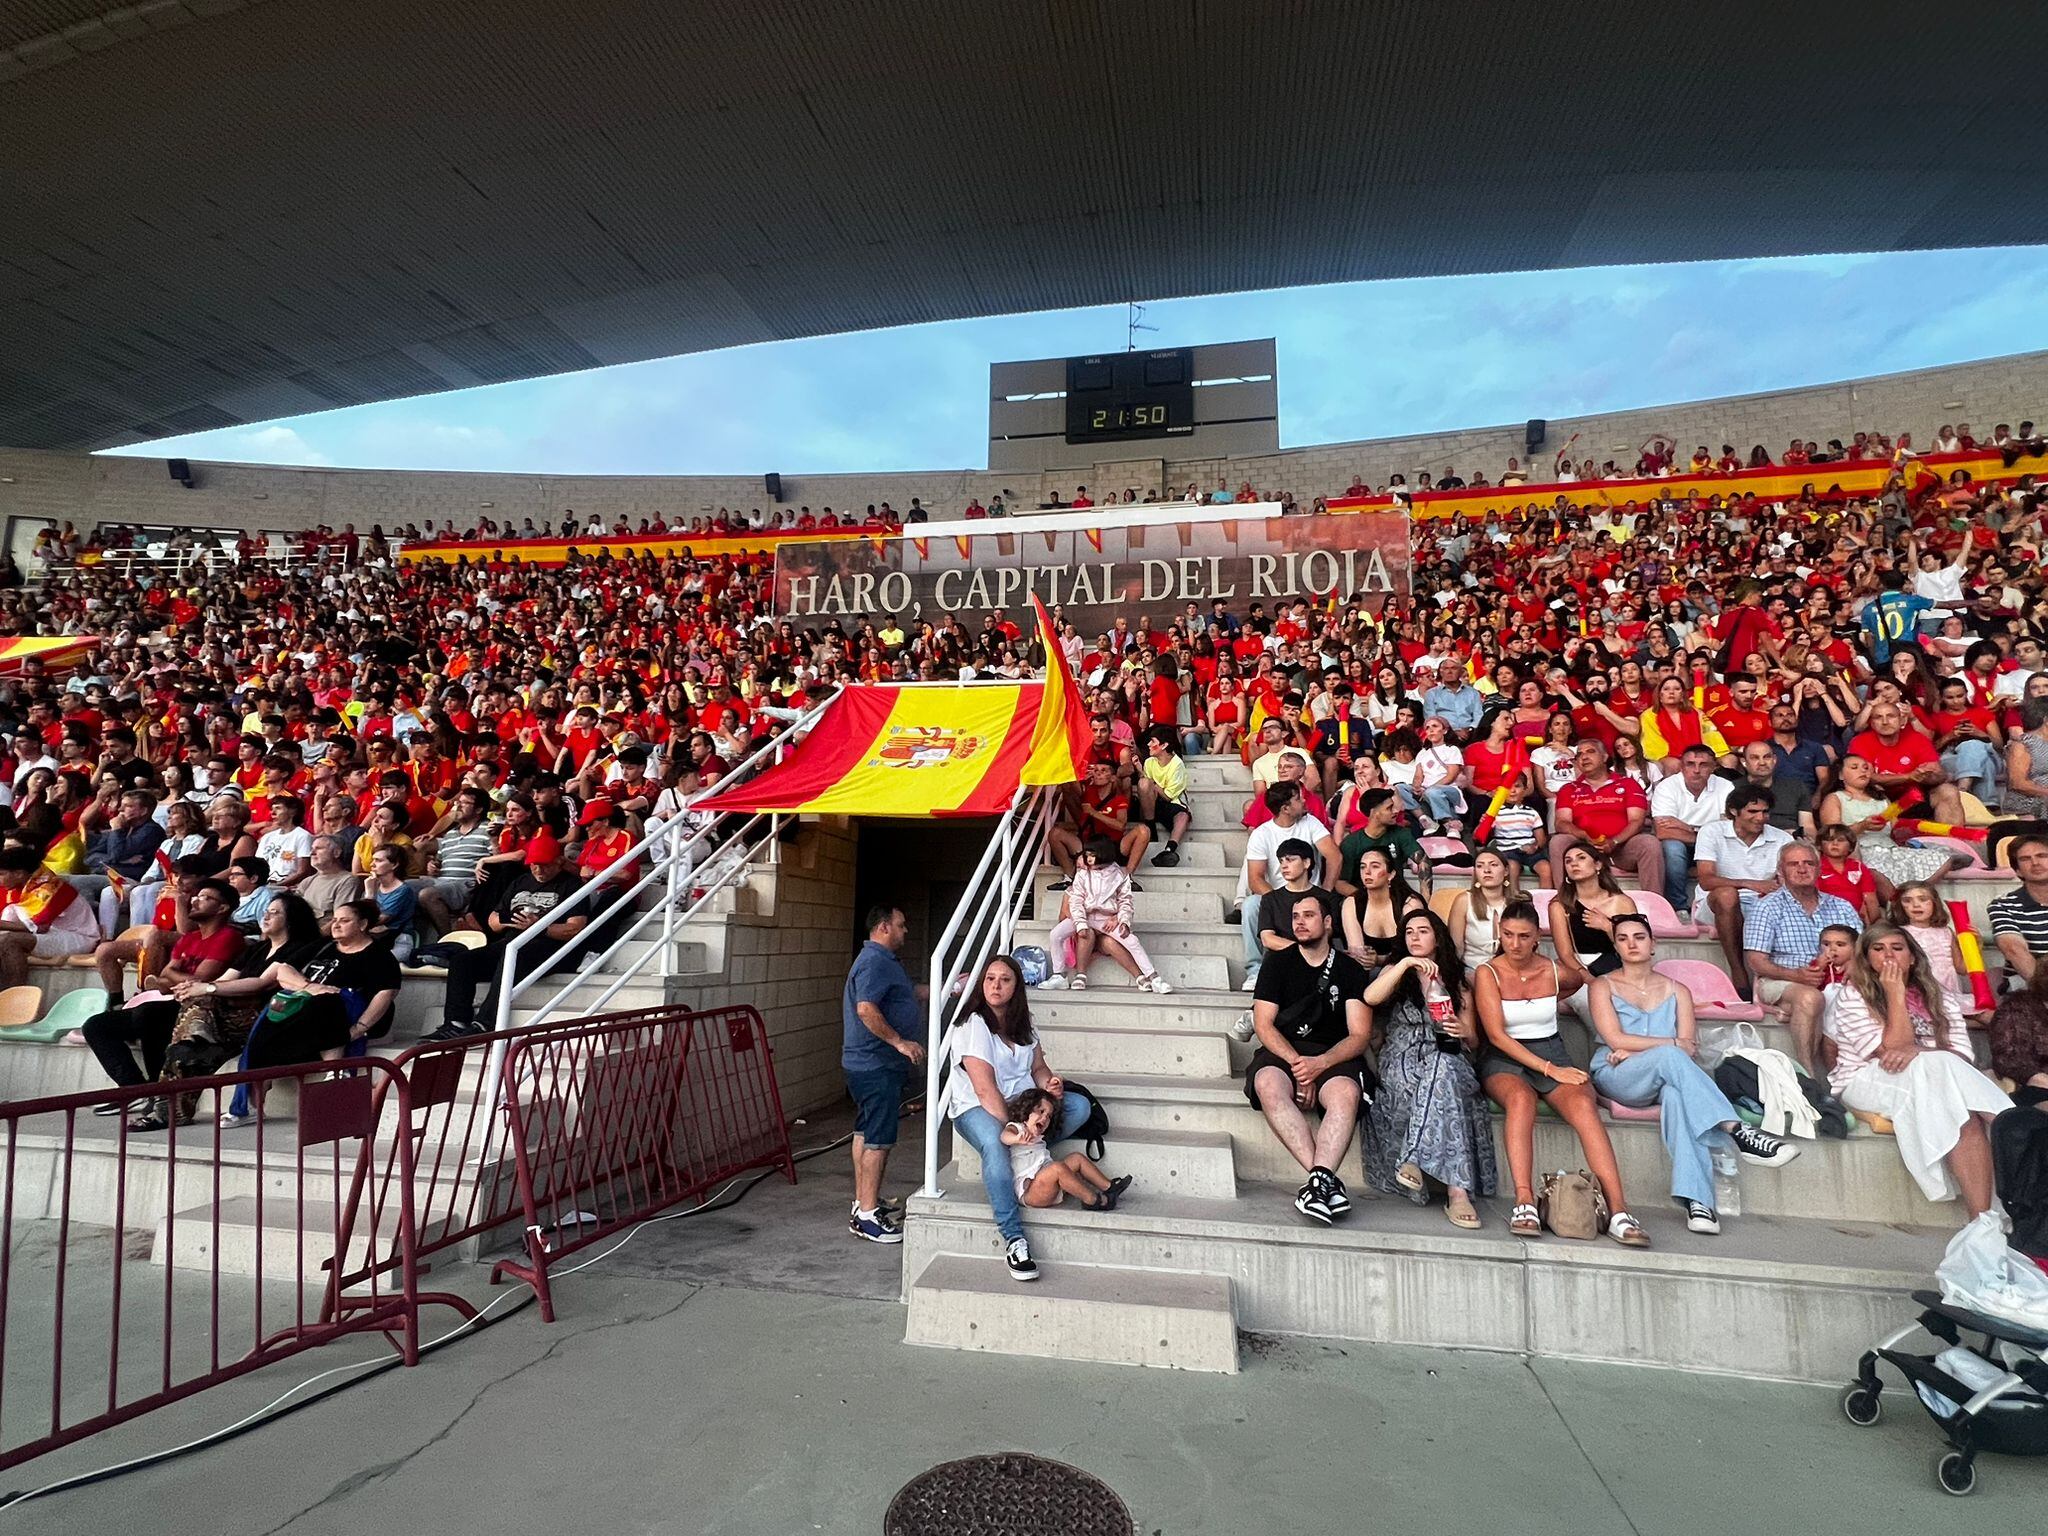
[(1155, 984), (1251, 984), (1241, 1029), (1055, 983)]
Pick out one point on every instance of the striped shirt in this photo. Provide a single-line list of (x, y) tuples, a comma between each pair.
[(459, 850), (2018, 913)]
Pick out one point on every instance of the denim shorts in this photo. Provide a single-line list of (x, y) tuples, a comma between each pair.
[(877, 1104)]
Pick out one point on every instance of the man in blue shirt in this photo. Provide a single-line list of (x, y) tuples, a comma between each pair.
[(882, 1017), (1893, 616), (1455, 699)]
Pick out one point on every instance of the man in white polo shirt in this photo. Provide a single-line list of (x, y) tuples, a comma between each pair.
[(1736, 863), (1680, 807)]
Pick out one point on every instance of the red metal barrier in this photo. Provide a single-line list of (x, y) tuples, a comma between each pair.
[(633, 1116), (245, 1266), (310, 1226)]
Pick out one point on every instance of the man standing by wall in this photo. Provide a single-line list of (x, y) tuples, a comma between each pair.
[(882, 1020)]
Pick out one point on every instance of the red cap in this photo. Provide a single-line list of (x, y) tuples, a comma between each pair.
[(596, 811), (544, 849)]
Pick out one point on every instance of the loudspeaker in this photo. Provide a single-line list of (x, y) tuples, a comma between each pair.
[(1534, 432), (181, 471), (774, 484)]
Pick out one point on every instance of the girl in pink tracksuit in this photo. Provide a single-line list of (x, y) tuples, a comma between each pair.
[(1097, 912)]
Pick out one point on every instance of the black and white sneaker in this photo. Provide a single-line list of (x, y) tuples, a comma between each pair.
[(452, 1030), (1310, 1202), (1702, 1218), (887, 1212), (1334, 1196), (1166, 857), (1756, 1147), (1059, 885), (871, 1228), (104, 1111), (1018, 1257)]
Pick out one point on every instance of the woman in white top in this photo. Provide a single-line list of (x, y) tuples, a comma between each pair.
[(1475, 913), (1525, 1057), (1556, 762), (996, 1058), (1903, 1051)]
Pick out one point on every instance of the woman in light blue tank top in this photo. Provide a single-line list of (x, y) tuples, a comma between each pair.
[(1645, 1057)]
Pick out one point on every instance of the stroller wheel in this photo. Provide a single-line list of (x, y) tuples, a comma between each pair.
[(1956, 1473), (1861, 1404)]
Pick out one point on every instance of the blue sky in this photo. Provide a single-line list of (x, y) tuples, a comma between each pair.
[(1357, 360)]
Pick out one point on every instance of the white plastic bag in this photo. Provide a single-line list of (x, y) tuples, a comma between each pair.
[(1717, 1040), (1981, 1272)]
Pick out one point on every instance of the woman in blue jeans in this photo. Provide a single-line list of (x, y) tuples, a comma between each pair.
[(1646, 1057), (997, 1057)]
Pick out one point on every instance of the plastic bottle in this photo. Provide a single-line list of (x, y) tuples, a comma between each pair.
[(1443, 1014), (1727, 1187)]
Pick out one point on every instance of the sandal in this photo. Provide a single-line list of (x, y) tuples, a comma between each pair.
[(1079, 983), (149, 1123), (1409, 1177), (1627, 1231), (1525, 1221), (1459, 1209)]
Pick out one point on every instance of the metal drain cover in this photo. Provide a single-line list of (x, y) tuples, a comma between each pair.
[(1009, 1494)]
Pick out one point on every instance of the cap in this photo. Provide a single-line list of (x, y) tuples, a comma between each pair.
[(595, 812), (544, 849)]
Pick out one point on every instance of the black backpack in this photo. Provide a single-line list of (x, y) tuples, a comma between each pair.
[(1096, 1126)]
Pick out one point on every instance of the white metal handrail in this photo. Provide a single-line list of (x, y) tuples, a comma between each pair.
[(984, 923), (669, 851)]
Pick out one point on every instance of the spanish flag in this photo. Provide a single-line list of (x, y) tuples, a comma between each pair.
[(929, 749), (53, 651), (43, 898)]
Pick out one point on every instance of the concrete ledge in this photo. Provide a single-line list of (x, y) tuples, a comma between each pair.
[(1198, 1164), (1118, 1316)]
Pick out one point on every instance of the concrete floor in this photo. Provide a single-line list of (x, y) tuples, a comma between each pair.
[(744, 1373)]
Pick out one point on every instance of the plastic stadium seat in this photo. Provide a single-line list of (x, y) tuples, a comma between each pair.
[(1628, 1111), (1435, 848), (1713, 993), (1441, 902), (1974, 852), (1541, 900), (66, 1014), (19, 1006), (1665, 922), (467, 938)]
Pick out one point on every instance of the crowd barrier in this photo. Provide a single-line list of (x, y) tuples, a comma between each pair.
[(318, 1222)]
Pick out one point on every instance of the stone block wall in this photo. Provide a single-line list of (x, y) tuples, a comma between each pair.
[(792, 964)]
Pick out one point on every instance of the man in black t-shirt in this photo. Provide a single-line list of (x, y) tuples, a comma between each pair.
[(1313, 1028), (531, 899)]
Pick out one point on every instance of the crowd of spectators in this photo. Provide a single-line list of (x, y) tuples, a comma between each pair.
[(1694, 689)]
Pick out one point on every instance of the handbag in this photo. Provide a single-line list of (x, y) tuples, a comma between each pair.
[(1092, 1130), (1572, 1205)]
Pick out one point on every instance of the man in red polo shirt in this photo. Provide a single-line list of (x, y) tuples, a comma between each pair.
[(1907, 766), (1608, 813)]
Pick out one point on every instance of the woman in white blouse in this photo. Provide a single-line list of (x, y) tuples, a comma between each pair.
[(1903, 1051)]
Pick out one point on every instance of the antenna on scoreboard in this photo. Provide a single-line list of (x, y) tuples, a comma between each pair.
[(1133, 324)]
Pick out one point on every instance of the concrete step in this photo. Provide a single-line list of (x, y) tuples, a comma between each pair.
[(1769, 1298), (1208, 972), (1222, 807), (1861, 1179), (294, 1242), (1154, 1052), (1204, 1012), (1193, 1163), (1182, 1322), (1207, 771), (1167, 938), (1217, 885), (1152, 904)]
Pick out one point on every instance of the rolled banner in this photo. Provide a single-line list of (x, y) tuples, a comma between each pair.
[(1907, 826), (1973, 957)]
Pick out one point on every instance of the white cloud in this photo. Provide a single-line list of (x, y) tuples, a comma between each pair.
[(270, 445)]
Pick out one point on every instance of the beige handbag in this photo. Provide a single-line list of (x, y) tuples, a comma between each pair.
[(1572, 1204)]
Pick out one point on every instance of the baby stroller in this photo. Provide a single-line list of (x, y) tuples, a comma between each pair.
[(1991, 1395), (1988, 1396)]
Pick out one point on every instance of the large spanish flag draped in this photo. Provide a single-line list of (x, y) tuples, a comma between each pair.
[(929, 749), (53, 651)]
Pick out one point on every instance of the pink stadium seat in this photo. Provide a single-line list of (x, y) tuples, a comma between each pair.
[(1665, 922), (1713, 993), (1974, 852), (1628, 1112)]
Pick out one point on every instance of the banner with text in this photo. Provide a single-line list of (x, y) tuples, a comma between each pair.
[(1096, 566)]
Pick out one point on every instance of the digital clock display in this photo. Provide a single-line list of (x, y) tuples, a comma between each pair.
[(1130, 395)]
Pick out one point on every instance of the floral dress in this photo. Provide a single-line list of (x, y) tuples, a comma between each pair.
[(1426, 1111)]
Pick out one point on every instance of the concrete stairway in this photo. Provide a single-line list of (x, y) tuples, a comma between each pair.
[(1819, 1263)]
